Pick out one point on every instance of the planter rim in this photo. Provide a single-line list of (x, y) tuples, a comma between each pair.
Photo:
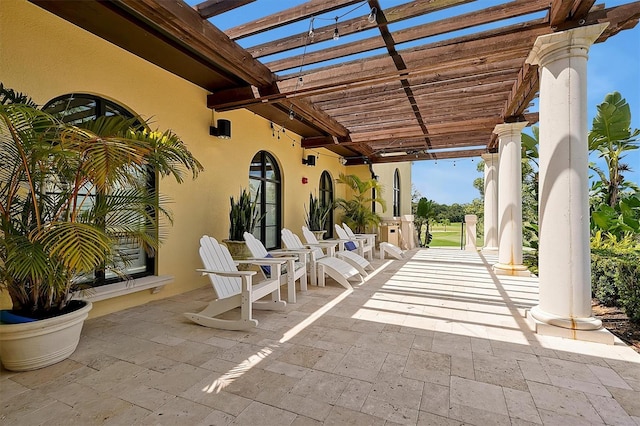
[(6, 330)]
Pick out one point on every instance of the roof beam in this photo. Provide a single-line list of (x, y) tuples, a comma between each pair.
[(210, 8), (449, 127), (288, 16), (480, 55), (452, 155), (456, 23), (352, 26), (460, 79), (560, 11), (503, 44), (187, 27)]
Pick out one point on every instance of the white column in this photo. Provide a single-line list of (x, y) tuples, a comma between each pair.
[(510, 200), (490, 203), (470, 222), (564, 260)]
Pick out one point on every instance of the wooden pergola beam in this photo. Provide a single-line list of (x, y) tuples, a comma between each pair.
[(490, 46), (418, 156), (352, 26), (210, 8), (287, 16), (477, 54), (457, 23)]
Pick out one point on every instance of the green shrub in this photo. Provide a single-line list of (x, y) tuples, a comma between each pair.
[(604, 274), (615, 274), (628, 284), (530, 260)]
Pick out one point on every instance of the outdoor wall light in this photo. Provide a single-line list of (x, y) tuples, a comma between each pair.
[(310, 160), (223, 130)]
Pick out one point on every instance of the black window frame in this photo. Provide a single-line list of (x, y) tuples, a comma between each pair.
[(396, 193), (326, 197), (102, 108), (260, 231)]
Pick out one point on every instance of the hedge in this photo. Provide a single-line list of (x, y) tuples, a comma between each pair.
[(615, 279)]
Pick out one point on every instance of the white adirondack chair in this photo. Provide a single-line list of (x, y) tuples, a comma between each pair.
[(390, 249), (295, 269), (361, 243), (320, 263), (234, 288), (328, 246), (371, 238)]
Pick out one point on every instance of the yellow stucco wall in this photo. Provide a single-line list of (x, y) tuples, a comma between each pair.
[(45, 57), (385, 173)]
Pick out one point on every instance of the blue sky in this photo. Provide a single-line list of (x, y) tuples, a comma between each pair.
[(612, 66)]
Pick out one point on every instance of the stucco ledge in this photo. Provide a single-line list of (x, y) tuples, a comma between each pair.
[(155, 283)]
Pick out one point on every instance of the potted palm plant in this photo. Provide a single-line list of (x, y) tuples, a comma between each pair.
[(317, 215), (244, 215), (357, 213), (69, 196)]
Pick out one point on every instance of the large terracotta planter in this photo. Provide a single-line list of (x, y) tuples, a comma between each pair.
[(37, 344)]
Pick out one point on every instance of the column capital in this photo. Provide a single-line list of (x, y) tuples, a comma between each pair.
[(509, 128), (550, 47)]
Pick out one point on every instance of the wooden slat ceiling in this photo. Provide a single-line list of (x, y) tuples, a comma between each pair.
[(420, 87)]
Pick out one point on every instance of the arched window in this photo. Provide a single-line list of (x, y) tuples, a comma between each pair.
[(78, 108), (325, 195), (396, 193), (264, 176)]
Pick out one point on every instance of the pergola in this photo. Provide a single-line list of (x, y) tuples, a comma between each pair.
[(462, 96), (435, 101)]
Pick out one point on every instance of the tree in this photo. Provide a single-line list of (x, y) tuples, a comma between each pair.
[(357, 211), (425, 213), (615, 203), (611, 136), (478, 183), (530, 186)]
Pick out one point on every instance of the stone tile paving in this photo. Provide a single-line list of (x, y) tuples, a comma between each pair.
[(436, 339)]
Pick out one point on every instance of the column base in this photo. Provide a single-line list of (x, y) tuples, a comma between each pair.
[(490, 250), (512, 270), (552, 328)]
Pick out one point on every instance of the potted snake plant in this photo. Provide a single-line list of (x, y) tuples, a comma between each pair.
[(55, 229), (317, 215), (244, 215)]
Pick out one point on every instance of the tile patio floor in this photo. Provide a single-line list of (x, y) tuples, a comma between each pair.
[(434, 340)]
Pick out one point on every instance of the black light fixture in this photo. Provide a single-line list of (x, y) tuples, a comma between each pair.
[(223, 130), (310, 160)]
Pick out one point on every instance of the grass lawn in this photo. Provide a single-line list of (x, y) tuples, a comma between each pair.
[(448, 236)]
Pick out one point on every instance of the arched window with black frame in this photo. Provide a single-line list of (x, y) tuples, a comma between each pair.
[(264, 177), (325, 196), (396, 193), (79, 108)]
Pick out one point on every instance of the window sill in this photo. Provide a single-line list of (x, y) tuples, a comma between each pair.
[(154, 283)]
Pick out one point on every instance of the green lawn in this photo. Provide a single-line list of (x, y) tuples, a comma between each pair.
[(448, 236)]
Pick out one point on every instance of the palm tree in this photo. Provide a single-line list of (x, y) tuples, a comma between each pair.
[(425, 213), (71, 196), (357, 213)]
